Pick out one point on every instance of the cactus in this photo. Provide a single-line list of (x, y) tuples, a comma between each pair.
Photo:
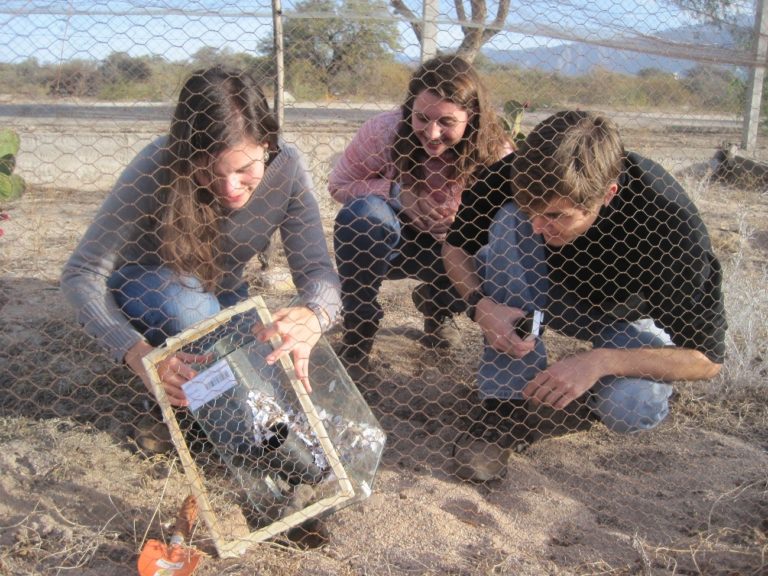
[(513, 118), (12, 185)]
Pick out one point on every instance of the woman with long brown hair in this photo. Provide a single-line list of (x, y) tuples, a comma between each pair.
[(170, 243), (400, 182)]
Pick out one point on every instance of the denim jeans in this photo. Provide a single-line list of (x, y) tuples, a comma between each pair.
[(373, 243), (160, 303), (514, 273)]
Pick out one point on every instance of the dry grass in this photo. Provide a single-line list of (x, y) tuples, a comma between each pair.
[(77, 497)]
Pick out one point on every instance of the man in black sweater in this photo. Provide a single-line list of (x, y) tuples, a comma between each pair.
[(608, 247)]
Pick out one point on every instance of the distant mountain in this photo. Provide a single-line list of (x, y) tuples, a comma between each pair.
[(577, 58)]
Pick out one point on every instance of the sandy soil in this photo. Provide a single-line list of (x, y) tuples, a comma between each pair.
[(77, 497)]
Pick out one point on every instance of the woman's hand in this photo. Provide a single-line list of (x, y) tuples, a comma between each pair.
[(432, 213), (173, 371), (299, 330)]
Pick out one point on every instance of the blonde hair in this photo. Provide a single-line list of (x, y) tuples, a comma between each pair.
[(572, 154)]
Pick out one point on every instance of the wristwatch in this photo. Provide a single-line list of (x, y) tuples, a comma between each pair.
[(472, 301), (319, 312)]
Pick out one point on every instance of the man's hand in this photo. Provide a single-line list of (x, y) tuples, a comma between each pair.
[(564, 381), (497, 322), (173, 371), (432, 213)]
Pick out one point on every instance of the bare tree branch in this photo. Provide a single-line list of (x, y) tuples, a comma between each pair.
[(403, 10), (476, 33), (480, 32)]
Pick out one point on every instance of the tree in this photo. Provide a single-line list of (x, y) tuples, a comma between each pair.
[(74, 78), (716, 87), (476, 33), (708, 10), (119, 67), (339, 39), (207, 57)]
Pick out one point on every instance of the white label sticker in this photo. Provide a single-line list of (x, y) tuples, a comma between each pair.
[(209, 384)]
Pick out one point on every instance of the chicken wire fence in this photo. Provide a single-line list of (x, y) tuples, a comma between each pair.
[(401, 367)]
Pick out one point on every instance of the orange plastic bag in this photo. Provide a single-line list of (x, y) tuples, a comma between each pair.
[(176, 559)]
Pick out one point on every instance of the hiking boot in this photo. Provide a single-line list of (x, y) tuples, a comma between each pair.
[(546, 422), (440, 331), (356, 346), (481, 454)]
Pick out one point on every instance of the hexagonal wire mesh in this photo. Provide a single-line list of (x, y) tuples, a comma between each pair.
[(87, 465)]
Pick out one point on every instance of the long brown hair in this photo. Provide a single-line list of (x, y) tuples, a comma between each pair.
[(218, 108), (455, 80)]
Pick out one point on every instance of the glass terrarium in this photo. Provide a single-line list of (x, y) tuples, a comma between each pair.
[(293, 455)]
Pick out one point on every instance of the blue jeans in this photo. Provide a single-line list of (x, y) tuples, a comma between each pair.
[(160, 303), (514, 273), (373, 243)]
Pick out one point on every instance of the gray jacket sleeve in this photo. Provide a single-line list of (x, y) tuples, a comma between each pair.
[(112, 239), (305, 246)]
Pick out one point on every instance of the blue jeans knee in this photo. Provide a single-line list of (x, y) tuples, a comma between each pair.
[(158, 302), (366, 224), (366, 236), (630, 405)]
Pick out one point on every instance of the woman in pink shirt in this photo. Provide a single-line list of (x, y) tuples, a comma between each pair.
[(400, 182)]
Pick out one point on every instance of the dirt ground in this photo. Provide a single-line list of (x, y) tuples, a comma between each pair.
[(78, 497)]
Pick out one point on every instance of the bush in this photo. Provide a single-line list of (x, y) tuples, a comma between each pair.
[(381, 80), (305, 82)]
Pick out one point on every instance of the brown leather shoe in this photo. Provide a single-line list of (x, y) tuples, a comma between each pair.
[(498, 429), (152, 436)]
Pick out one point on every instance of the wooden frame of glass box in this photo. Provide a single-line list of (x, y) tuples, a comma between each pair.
[(224, 547)]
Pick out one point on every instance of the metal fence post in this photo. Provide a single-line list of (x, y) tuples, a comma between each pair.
[(429, 30), (756, 78), (277, 24)]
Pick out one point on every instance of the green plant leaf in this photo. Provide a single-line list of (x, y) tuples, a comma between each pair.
[(9, 142), (11, 187)]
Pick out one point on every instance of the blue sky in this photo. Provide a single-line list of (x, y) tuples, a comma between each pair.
[(50, 31), (53, 30)]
